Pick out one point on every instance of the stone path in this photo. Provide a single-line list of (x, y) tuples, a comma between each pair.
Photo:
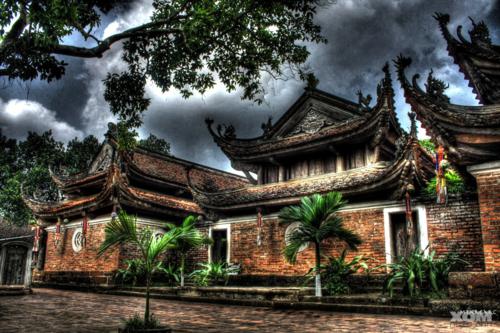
[(48, 310)]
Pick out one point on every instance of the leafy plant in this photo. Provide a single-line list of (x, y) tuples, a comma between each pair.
[(123, 230), (337, 270), (454, 183), (440, 268), (318, 221), (137, 323), (170, 274), (428, 145), (212, 272), (189, 238), (133, 273), (418, 273)]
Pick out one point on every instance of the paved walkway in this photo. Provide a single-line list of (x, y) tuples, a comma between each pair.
[(68, 311)]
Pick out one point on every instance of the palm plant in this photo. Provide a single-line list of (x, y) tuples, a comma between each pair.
[(317, 221), (189, 238), (122, 230)]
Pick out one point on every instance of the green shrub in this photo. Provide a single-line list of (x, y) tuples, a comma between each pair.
[(419, 273), (133, 274), (170, 275), (212, 273), (137, 323), (454, 183), (337, 270)]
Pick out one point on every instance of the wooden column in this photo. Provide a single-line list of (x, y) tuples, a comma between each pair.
[(281, 173), (340, 162)]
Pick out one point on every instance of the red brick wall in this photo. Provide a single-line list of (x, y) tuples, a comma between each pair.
[(488, 187), (268, 258), (456, 227), (84, 261)]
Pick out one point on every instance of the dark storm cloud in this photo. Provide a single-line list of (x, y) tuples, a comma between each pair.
[(66, 96), (362, 36)]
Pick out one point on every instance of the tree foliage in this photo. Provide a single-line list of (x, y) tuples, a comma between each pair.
[(154, 143), (24, 167), (189, 239), (186, 44), (124, 230)]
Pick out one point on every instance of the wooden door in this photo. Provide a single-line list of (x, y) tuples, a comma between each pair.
[(15, 265)]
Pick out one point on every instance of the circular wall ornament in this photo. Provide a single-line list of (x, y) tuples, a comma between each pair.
[(77, 240), (288, 232), (158, 234)]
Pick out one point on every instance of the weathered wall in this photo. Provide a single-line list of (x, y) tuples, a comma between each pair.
[(268, 258), (455, 227), (85, 260), (488, 187)]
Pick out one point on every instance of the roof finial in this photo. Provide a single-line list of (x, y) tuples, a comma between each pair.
[(413, 125), (479, 33)]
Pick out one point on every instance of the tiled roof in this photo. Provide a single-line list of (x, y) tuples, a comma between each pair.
[(478, 58), (412, 165), (471, 134)]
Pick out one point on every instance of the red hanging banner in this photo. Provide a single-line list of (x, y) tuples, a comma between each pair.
[(36, 243), (85, 226), (57, 237), (441, 164), (259, 226)]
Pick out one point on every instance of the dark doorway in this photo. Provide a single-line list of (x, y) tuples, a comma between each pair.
[(399, 234), (219, 246), (15, 265)]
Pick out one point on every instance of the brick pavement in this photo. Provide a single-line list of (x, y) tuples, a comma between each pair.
[(50, 310)]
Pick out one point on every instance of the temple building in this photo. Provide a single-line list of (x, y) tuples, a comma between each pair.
[(469, 134), (322, 143)]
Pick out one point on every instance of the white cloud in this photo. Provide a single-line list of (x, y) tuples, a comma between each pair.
[(17, 117)]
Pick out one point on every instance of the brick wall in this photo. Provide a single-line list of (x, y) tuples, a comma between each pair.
[(84, 261), (488, 186), (456, 227), (268, 258)]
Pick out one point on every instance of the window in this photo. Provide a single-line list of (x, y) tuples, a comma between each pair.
[(288, 232), (356, 158), (77, 240)]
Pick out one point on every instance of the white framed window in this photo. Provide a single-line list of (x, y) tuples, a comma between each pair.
[(77, 240), (396, 215), (220, 249), (288, 232)]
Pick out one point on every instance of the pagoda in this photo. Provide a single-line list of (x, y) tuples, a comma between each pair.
[(150, 185), (323, 143), (470, 135)]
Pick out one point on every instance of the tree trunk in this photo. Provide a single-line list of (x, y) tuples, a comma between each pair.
[(146, 312), (318, 292), (182, 270)]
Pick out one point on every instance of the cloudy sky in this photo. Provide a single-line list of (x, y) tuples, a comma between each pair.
[(362, 35)]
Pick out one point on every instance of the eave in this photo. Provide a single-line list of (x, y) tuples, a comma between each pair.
[(412, 166), (479, 61), (471, 134), (361, 126)]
